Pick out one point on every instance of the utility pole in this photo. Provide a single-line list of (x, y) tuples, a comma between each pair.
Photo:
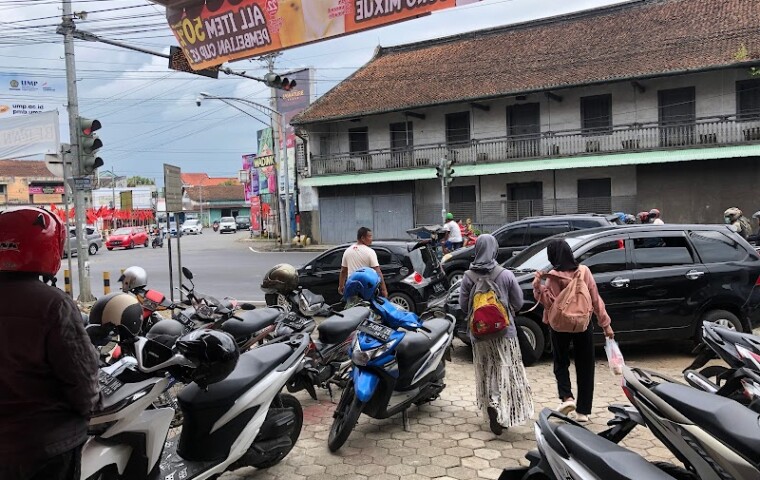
[(443, 191), (83, 265), (283, 153)]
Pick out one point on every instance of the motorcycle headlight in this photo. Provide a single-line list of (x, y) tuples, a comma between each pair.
[(363, 357)]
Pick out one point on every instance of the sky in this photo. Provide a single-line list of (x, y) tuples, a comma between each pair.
[(149, 113)]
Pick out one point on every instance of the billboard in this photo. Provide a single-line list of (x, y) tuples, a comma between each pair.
[(212, 33), (22, 94), (290, 104)]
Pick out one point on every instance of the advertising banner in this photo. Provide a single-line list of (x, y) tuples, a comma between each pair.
[(290, 104), (213, 32), (248, 167), (255, 213), (265, 142), (255, 182), (22, 95), (29, 135)]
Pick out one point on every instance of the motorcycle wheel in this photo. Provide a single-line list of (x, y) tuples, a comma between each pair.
[(346, 415), (169, 399), (285, 400)]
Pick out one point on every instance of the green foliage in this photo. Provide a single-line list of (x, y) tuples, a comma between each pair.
[(137, 180)]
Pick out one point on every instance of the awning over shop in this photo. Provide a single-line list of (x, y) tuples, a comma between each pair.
[(369, 177)]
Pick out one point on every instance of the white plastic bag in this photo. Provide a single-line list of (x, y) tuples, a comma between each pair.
[(614, 357)]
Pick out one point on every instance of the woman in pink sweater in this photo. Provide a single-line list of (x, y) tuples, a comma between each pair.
[(561, 257)]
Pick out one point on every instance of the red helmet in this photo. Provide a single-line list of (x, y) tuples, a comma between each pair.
[(31, 240)]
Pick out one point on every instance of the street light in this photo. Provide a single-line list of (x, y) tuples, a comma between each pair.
[(279, 154)]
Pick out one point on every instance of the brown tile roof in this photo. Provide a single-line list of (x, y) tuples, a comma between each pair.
[(217, 193), (633, 40), (197, 179), (24, 168)]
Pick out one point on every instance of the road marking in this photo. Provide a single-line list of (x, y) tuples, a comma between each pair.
[(254, 251)]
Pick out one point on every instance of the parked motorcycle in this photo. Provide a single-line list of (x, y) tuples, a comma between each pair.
[(243, 420)]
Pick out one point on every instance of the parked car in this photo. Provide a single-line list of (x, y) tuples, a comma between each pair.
[(412, 274), (227, 224), (243, 223), (658, 282), (517, 236), (193, 226), (128, 237), (93, 237)]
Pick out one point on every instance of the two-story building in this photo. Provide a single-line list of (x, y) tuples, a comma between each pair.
[(29, 183), (645, 104)]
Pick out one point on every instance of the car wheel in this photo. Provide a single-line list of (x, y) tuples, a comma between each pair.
[(721, 318), (146, 244), (132, 244), (533, 340), (109, 248), (402, 300), (93, 249), (455, 276)]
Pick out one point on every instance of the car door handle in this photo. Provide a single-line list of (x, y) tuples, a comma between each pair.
[(620, 282), (694, 274)]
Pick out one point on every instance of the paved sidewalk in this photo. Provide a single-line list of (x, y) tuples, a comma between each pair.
[(448, 438)]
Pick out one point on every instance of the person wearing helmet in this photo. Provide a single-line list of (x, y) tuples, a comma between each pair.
[(654, 217), (360, 255), (48, 366), (643, 217), (736, 219), (454, 239), (133, 278), (630, 219)]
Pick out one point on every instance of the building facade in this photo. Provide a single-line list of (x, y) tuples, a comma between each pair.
[(560, 115), (214, 202), (29, 183)]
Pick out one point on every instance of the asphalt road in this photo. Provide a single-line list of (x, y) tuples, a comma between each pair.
[(222, 265)]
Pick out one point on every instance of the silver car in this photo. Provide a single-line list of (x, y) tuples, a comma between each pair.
[(93, 237)]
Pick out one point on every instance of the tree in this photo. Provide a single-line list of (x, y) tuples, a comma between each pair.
[(229, 183), (137, 180)]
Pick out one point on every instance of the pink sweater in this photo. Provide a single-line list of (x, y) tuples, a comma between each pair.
[(546, 293)]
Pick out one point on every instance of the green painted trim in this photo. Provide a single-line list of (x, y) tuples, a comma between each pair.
[(369, 177)]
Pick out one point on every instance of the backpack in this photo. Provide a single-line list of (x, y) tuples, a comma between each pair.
[(571, 310), (488, 315)]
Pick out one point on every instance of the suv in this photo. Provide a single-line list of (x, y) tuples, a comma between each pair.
[(517, 236), (93, 237), (227, 224), (243, 223), (411, 270), (658, 282)]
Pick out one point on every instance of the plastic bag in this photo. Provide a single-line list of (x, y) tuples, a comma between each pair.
[(614, 357)]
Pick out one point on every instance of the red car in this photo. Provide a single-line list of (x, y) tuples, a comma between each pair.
[(127, 237)]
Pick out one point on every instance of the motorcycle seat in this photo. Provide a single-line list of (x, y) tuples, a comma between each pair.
[(729, 421), (415, 344), (312, 298), (336, 329), (251, 321), (606, 459), (251, 368)]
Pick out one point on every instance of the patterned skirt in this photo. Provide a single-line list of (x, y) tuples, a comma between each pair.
[(501, 382)]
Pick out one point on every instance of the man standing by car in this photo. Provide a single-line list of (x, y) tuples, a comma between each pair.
[(48, 366), (360, 255), (454, 237)]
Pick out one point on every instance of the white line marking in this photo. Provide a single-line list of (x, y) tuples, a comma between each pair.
[(254, 251)]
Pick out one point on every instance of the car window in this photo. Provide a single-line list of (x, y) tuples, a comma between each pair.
[(666, 251), (331, 261), (384, 257), (539, 231), (122, 231), (227, 219), (535, 257), (714, 247), (605, 257), (512, 237), (585, 224)]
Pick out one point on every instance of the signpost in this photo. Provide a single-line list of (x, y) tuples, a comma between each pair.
[(173, 197), (82, 184)]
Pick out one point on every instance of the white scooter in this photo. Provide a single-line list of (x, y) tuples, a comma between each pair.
[(240, 421)]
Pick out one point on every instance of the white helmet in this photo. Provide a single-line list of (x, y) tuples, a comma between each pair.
[(132, 278)]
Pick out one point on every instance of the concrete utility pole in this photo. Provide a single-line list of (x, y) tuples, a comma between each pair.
[(443, 190), (283, 153), (83, 265)]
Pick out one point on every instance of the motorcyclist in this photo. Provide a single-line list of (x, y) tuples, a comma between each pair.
[(48, 366), (734, 217), (643, 217), (654, 217)]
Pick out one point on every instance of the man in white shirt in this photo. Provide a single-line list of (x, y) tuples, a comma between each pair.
[(360, 255), (454, 236)]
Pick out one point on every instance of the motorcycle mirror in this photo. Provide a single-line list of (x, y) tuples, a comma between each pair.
[(247, 306), (308, 268), (187, 273)]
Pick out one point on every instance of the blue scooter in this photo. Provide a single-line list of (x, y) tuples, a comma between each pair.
[(397, 360)]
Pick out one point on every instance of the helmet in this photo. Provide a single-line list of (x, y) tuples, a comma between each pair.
[(281, 278), (756, 214), (362, 283), (117, 309), (654, 213), (732, 214), (643, 217), (621, 216), (166, 332), (449, 216), (630, 219), (213, 352), (31, 240), (132, 278)]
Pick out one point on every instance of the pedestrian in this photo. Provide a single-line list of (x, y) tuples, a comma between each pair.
[(501, 385), (48, 366), (655, 217), (454, 239), (565, 267), (360, 255)]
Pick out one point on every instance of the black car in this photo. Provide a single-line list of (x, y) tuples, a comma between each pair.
[(517, 236), (243, 223), (659, 282), (411, 270)]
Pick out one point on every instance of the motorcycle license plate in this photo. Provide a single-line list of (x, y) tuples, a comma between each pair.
[(108, 384), (375, 330)]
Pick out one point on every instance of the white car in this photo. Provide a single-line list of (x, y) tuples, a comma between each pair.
[(193, 226), (227, 224)]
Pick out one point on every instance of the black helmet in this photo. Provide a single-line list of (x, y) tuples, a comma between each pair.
[(214, 353), (166, 332), (117, 309), (282, 278)]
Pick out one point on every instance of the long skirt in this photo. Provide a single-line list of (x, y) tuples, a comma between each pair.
[(501, 382)]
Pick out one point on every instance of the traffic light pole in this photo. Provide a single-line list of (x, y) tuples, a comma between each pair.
[(282, 150), (67, 29), (443, 190)]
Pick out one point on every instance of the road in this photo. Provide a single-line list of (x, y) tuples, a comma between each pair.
[(222, 265)]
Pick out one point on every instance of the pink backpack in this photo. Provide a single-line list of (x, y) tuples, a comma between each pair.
[(571, 310)]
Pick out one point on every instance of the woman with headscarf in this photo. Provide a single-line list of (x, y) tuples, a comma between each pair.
[(565, 266), (502, 389)]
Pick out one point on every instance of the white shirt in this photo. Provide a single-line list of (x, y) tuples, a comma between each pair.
[(359, 256), (455, 234), (658, 221)]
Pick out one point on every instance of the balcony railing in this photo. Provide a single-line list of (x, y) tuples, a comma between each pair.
[(703, 132)]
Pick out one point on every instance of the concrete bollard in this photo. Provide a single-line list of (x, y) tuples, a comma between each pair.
[(106, 283), (67, 283)]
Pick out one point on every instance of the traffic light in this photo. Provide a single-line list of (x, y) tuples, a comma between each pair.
[(439, 171), (449, 171), (280, 83), (89, 144)]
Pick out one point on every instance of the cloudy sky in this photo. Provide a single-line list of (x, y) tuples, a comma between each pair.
[(148, 112)]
